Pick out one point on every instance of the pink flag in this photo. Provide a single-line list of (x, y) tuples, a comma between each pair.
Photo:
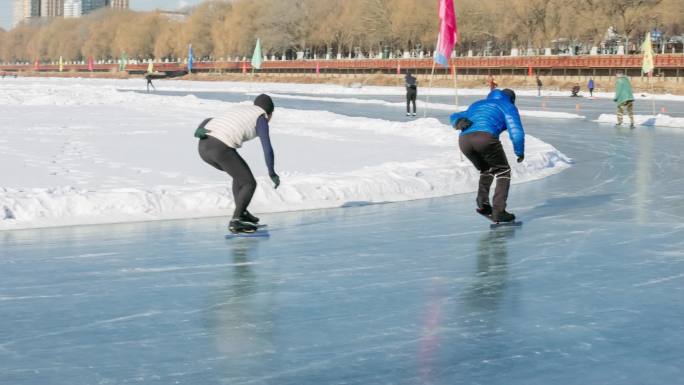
[(448, 32), (91, 64), (318, 69)]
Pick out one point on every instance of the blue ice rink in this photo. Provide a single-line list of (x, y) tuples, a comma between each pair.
[(589, 291)]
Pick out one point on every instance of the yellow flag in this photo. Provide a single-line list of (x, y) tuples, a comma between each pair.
[(61, 64), (648, 63), (150, 68)]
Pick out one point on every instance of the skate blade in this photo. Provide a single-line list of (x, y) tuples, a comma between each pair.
[(256, 234), (505, 224)]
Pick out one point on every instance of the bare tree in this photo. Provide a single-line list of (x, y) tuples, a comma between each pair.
[(229, 28)]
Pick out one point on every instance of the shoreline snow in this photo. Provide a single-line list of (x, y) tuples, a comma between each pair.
[(315, 89), (421, 104), (96, 155), (659, 120)]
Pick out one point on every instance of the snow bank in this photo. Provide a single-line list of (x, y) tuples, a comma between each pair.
[(421, 104), (659, 120), (317, 89), (91, 154)]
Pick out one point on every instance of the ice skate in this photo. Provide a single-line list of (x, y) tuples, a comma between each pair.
[(238, 226)]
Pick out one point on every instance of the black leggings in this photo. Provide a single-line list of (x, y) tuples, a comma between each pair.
[(411, 94), (227, 159)]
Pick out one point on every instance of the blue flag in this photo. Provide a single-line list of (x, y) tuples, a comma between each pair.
[(190, 59)]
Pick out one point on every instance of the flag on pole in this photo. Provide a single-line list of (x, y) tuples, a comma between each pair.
[(648, 64), (448, 32), (61, 64), (150, 68), (122, 62), (190, 55), (36, 65), (91, 64), (256, 56)]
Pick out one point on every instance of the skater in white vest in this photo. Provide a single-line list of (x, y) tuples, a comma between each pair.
[(220, 138)]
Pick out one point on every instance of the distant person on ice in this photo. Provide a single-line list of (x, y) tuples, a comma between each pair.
[(148, 77), (411, 93), (491, 83), (539, 86), (624, 98), (480, 127), (575, 90), (219, 140), (590, 86)]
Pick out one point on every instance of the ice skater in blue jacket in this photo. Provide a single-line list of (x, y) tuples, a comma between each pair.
[(480, 125)]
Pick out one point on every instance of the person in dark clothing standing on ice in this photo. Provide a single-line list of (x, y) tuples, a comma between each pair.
[(411, 93), (590, 86), (148, 77), (219, 140), (539, 86), (480, 125)]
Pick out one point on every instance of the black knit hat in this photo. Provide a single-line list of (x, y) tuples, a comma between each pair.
[(264, 101), (510, 93)]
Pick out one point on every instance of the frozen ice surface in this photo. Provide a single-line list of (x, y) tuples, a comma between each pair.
[(588, 291)]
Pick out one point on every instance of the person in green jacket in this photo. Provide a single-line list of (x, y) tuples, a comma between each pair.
[(624, 98)]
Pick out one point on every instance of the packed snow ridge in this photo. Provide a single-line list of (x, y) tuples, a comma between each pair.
[(83, 152), (659, 120)]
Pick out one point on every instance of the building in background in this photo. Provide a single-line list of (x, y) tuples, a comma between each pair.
[(25, 10), (119, 4), (88, 6), (51, 8), (72, 8)]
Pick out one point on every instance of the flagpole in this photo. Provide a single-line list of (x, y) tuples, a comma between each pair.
[(427, 94), (432, 74), (455, 88), (650, 81)]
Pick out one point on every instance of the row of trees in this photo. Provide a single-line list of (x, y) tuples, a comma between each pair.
[(223, 29)]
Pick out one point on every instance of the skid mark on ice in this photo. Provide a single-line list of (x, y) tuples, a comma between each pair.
[(21, 298), (88, 255), (659, 280), (82, 327), (180, 268)]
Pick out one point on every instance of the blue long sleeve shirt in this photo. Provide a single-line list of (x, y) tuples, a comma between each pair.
[(262, 130), (495, 115)]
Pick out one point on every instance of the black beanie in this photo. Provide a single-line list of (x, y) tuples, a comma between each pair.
[(510, 93), (264, 101)]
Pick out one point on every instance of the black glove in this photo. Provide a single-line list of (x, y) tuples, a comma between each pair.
[(521, 158), (463, 124), (276, 180)]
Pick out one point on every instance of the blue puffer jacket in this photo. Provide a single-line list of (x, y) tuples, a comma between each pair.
[(494, 115)]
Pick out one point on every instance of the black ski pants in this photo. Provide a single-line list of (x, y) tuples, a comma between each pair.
[(487, 154), (227, 159), (411, 95)]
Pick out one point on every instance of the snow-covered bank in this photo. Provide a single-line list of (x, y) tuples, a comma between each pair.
[(421, 104), (315, 89), (660, 120), (81, 152)]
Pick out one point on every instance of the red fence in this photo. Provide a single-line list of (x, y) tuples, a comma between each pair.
[(502, 62)]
